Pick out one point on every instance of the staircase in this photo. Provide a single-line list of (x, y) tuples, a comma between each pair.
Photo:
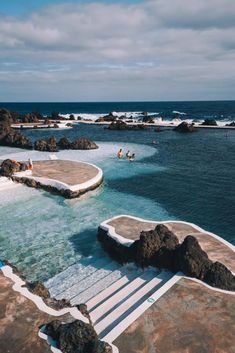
[(115, 295)]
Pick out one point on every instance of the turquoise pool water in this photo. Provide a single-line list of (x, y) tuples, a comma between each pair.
[(43, 234)]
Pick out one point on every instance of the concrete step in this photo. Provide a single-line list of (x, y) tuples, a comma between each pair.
[(88, 281), (112, 302), (110, 290), (168, 280), (104, 284), (74, 274), (131, 303)]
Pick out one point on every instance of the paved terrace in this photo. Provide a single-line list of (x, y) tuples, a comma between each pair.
[(68, 172), (130, 228), (189, 318), (73, 176)]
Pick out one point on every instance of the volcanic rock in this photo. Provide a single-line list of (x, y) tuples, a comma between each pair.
[(147, 119), (48, 145), (15, 139), (76, 337), (108, 118), (209, 122), (118, 125), (151, 242), (38, 288), (64, 143), (83, 144), (33, 117), (191, 259), (219, 276), (9, 167), (184, 127)]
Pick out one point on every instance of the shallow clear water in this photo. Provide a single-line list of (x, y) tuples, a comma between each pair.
[(186, 177)]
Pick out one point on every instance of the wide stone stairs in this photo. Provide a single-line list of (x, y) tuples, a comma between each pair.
[(111, 292)]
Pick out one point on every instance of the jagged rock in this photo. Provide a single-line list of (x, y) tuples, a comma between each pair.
[(118, 125), (57, 304), (38, 288), (219, 276), (9, 167), (5, 123), (103, 347), (48, 145), (191, 259), (72, 117), (147, 119), (64, 143), (122, 125), (108, 118), (151, 242), (209, 122), (83, 309), (14, 139), (33, 117), (83, 144), (76, 337), (184, 127)]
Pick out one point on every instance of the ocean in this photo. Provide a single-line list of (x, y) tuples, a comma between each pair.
[(188, 177), (219, 110)]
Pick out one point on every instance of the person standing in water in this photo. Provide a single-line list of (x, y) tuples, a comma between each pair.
[(120, 153), (132, 158), (128, 154)]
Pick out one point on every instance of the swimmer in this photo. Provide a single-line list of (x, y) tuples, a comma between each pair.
[(128, 154), (120, 153), (132, 158)]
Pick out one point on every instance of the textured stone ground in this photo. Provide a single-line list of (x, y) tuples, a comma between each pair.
[(217, 251), (69, 172), (189, 318), (19, 322)]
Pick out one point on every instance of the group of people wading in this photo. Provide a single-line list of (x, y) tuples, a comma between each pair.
[(130, 156)]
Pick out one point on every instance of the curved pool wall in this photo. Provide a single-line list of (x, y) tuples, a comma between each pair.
[(184, 177)]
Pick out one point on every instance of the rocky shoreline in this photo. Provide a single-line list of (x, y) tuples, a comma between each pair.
[(8, 137)]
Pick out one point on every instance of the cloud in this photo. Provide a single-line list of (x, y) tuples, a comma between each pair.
[(159, 48)]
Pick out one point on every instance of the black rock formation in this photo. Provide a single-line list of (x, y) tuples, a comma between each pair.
[(38, 288), (185, 127), (76, 337), (121, 125), (83, 143), (48, 145), (160, 248), (209, 122), (9, 167), (148, 119)]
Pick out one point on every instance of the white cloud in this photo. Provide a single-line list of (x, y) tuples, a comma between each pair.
[(162, 45)]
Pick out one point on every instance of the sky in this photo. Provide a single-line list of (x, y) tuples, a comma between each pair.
[(149, 50)]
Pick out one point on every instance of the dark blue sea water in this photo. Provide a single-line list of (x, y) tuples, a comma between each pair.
[(220, 110)]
